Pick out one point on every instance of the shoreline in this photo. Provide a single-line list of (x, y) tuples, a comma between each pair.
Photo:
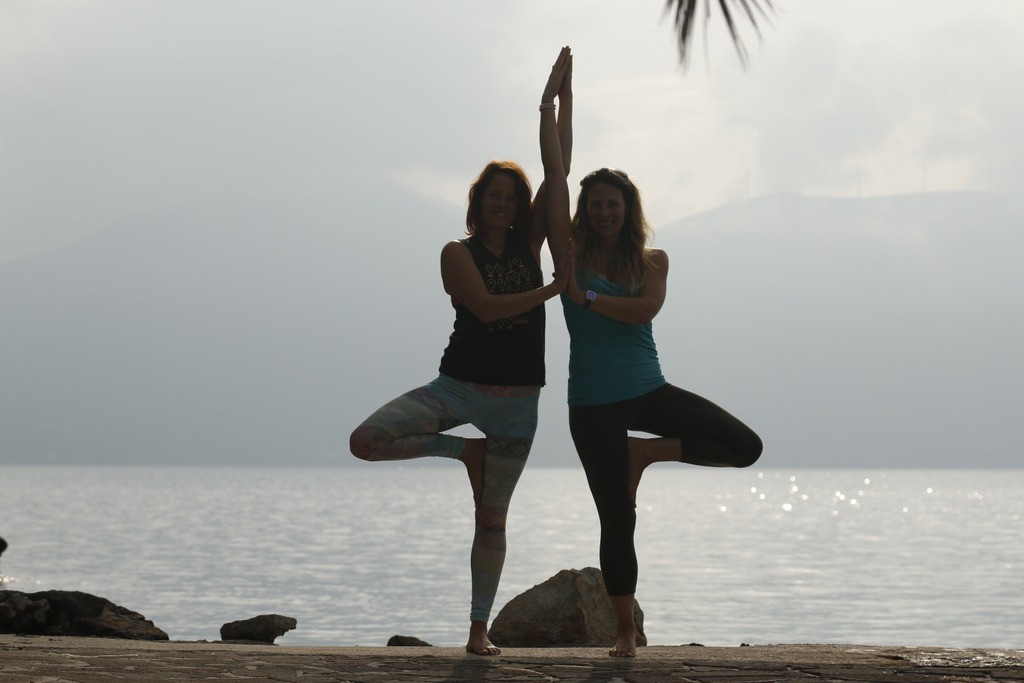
[(58, 658)]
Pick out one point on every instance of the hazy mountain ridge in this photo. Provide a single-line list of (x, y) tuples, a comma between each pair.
[(248, 338), (868, 330), (196, 338)]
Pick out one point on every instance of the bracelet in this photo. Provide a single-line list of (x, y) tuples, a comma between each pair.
[(547, 105)]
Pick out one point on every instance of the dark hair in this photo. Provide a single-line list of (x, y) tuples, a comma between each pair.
[(631, 257), (612, 176), (524, 195)]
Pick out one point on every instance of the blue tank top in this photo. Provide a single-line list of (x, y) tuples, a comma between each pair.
[(609, 360)]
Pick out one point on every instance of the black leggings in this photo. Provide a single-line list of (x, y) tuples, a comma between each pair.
[(709, 436)]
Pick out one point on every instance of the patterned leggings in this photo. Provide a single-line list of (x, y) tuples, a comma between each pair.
[(410, 426)]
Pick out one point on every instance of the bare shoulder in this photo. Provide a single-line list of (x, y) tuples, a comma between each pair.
[(453, 247), (658, 258)]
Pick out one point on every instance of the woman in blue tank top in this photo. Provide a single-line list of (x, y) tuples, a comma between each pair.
[(615, 379), (492, 371)]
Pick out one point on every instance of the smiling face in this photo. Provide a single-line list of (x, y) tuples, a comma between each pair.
[(609, 228), (499, 203), (499, 199), (606, 211)]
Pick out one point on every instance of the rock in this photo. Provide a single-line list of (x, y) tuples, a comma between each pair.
[(407, 641), (570, 608), (264, 628), (72, 613)]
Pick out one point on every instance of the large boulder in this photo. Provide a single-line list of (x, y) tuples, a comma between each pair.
[(571, 608), (72, 613), (263, 629)]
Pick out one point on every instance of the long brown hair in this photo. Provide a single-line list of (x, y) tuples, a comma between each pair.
[(631, 259), (524, 195)]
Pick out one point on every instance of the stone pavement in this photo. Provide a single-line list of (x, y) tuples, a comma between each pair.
[(46, 659)]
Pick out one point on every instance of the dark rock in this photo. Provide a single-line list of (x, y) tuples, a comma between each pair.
[(72, 613), (263, 629), (570, 608), (407, 641)]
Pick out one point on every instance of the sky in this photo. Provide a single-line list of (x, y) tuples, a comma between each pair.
[(355, 128), (111, 108)]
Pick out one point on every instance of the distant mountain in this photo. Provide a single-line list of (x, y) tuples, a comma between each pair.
[(880, 332), (233, 338), (856, 332)]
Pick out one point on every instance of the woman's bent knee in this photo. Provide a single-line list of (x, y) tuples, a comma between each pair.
[(749, 455), (362, 443)]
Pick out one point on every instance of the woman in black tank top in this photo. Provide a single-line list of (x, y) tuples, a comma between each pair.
[(493, 368)]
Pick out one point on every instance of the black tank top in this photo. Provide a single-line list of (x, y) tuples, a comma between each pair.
[(509, 351)]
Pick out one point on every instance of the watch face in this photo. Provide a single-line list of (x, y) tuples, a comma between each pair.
[(591, 295)]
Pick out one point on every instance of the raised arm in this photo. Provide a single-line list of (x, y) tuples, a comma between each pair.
[(556, 154), (563, 126), (564, 119)]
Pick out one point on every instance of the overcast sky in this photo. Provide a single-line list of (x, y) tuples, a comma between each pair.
[(317, 156), (111, 108)]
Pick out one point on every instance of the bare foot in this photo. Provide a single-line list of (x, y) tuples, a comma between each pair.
[(625, 646), (479, 643), (639, 459), (625, 627), (644, 452), (473, 454)]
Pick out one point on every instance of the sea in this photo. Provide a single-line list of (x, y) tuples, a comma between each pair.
[(358, 554)]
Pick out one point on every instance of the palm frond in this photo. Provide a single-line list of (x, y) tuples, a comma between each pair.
[(686, 12)]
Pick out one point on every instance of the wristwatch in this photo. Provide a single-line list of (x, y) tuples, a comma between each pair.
[(589, 298)]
